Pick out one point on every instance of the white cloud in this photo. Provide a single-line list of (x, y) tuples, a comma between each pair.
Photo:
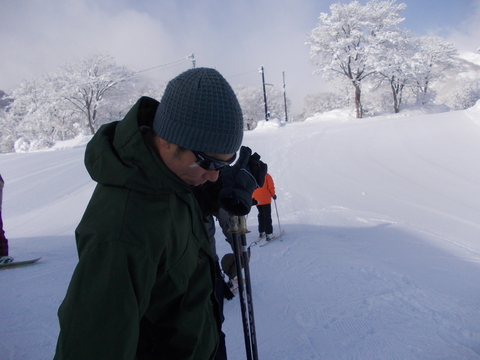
[(41, 38), (236, 37)]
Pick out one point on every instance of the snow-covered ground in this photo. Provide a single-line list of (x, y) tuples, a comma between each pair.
[(381, 257)]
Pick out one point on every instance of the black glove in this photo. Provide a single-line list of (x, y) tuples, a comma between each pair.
[(239, 182), (274, 197)]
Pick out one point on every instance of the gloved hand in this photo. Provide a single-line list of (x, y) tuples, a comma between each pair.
[(239, 182), (274, 197)]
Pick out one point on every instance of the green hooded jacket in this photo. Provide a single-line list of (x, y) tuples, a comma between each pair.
[(144, 284)]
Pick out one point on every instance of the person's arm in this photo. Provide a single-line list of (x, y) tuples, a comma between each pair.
[(271, 186)]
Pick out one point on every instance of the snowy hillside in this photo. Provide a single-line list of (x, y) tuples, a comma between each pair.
[(381, 257)]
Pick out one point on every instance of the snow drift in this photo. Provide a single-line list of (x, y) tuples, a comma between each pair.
[(381, 257)]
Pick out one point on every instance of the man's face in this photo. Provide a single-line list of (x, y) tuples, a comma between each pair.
[(183, 163)]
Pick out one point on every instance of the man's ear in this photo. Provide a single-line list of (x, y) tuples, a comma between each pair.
[(162, 143)]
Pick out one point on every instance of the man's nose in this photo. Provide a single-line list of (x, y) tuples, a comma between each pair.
[(211, 175)]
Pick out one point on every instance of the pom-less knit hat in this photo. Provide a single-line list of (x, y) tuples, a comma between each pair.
[(199, 111)]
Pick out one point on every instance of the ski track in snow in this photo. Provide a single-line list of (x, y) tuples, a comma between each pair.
[(368, 310), (380, 259)]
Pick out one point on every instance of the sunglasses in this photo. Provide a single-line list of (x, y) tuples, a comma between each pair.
[(208, 163)]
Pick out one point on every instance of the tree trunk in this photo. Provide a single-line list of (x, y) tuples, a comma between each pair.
[(358, 103), (395, 98), (89, 118)]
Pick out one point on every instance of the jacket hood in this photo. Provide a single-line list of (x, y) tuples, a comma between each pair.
[(118, 155)]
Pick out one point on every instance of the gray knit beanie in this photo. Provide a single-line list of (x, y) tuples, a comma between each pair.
[(199, 111)]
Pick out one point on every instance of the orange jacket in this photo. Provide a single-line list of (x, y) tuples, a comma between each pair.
[(264, 194)]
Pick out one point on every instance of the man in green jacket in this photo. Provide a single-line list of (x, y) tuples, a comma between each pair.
[(144, 284)]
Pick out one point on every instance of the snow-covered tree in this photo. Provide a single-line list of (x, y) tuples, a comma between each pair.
[(394, 66), (6, 129), (25, 115), (465, 95), (117, 102), (6, 133), (432, 58), (60, 105), (251, 102), (348, 42), (276, 102), (39, 114), (253, 107), (87, 83), (322, 102)]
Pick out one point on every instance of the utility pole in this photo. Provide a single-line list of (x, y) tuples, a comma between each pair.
[(285, 97), (264, 93), (192, 59)]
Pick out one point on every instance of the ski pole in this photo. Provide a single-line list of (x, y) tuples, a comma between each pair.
[(238, 229), (248, 284), (278, 218), (246, 332)]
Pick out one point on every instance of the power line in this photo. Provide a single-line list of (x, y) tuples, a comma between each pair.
[(120, 79), (248, 72), (189, 57)]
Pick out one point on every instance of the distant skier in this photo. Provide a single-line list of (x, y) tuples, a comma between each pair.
[(4, 258), (263, 196)]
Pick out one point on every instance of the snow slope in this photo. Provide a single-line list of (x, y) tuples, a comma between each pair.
[(381, 257)]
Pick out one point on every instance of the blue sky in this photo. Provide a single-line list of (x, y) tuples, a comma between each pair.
[(440, 17), (236, 37)]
